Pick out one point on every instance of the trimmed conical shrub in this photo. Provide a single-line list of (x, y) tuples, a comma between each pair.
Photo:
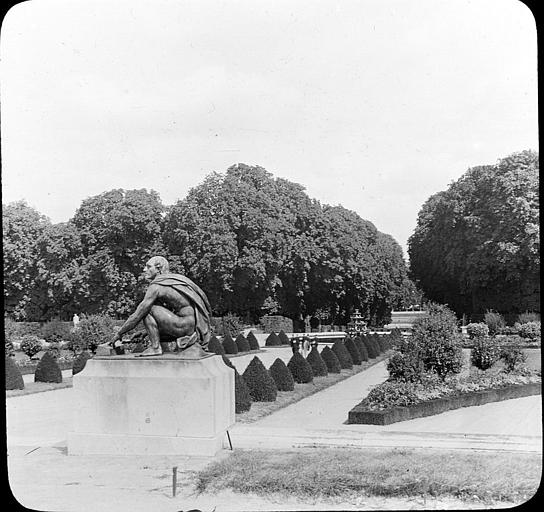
[(341, 352), (382, 342), (333, 365), (80, 361), (282, 376), (284, 339), (14, 379), (272, 340), (214, 345), (319, 368), (242, 398), (353, 351), (300, 369), (48, 370), (374, 341), (228, 344), (253, 342), (370, 347), (362, 349), (261, 385), (242, 343)]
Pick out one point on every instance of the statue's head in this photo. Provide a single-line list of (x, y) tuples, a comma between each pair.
[(155, 266)]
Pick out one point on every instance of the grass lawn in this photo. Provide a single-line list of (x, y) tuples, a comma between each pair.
[(347, 473), (39, 387)]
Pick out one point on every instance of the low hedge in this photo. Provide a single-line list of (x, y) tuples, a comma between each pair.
[(333, 365), (362, 349), (260, 383), (300, 369), (48, 370), (242, 343), (253, 342), (80, 362), (229, 345), (242, 397), (30, 367), (353, 350), (319, 367), (272, 340), (214, 345), (284, 339), (361, 415), (282, 376), (341, 352), (14, 379)]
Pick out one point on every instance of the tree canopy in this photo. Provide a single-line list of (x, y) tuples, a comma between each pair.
[(255, 243), (476, 245), (259, 245)]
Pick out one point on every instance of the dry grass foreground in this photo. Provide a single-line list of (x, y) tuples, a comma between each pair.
[(347, 475)]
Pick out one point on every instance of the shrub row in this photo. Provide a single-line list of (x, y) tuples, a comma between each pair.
[(257, 384), (233, 346)]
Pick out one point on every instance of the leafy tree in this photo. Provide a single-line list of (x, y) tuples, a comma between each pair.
[(61, 279), (22, 228), (476, 245), (260, 245), (119, 230)]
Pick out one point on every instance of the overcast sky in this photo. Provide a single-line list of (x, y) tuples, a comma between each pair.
[(372, 104)]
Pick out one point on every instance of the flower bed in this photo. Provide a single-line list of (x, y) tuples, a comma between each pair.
[(466, 395)]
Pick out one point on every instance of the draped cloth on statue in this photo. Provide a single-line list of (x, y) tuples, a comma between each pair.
[(200, 303)]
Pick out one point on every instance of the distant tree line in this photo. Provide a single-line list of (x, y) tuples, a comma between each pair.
[(256, 244), (476, 246)]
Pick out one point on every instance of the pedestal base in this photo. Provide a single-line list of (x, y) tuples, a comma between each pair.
[(160, 405)]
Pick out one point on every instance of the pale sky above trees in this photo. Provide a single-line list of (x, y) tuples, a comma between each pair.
[(372, 104)]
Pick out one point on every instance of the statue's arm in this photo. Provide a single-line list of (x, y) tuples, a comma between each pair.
[(142, 310)]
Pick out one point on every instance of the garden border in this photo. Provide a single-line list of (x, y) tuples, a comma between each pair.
[(360, 415)]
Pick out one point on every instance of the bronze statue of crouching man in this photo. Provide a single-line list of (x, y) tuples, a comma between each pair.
[(173, 308)]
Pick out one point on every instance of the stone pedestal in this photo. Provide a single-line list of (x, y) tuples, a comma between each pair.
[(159, 405)]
